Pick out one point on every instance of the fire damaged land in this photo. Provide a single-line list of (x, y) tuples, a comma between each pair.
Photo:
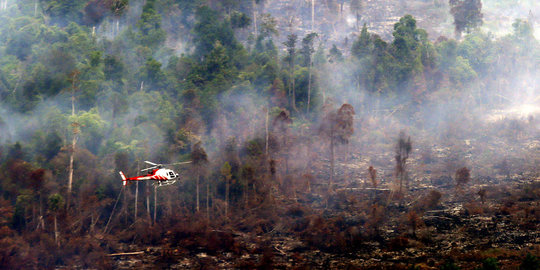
[(459, 208), (352, 192), (328, 134)]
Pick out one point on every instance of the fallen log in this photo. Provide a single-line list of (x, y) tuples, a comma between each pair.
[(126, 253)]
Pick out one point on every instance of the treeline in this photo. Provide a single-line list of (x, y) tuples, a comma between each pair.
[(88, 88)]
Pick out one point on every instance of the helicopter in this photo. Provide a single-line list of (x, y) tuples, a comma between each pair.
[(157, 173)]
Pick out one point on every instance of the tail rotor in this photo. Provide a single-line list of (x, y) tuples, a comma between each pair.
[(124, 179)]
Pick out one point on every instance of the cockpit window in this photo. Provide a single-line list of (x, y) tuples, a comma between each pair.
[(171, 174)]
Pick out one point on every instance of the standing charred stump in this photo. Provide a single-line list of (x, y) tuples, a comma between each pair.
[(403, 148), (200, 161), (281, 129)]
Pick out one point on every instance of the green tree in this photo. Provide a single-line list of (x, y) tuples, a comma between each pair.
[(307, 52), (63, 11), (530, 262), (290, 44), (239, 20), (208, 29), (20, 43), (150, 32), (335, 55), (363, 45), (114, 68), (56, 203), (489, 264), (153, 75)]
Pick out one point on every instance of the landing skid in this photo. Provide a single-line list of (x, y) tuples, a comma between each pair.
[(164, 183)]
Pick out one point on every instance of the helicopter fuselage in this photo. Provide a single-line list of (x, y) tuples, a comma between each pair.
[(160, 175)]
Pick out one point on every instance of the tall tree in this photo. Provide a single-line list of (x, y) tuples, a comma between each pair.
[(307, 51), (76, 129), (199, 160), (281, 126), (290, 58), (150, 33), (356, 8), (403, 148), (312, 15), (467, 15), (337, 128), (227, 176), (56, 202)]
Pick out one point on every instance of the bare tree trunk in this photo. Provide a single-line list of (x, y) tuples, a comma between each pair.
[(136, 200), (246, 194), (357, 21), (208, 199), (155, 203), (70, 175), (401, 184), (266, 132), (254, 5), (332, 161), (125, 206), (148, 203), (198, 176), (55, 230), (41, 222), (309, 85), (73, 142), (312, 15), (227, 198), (293, 90)]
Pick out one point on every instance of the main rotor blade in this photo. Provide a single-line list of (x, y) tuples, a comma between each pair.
[(179, 163), (151, 163), (150, 168)]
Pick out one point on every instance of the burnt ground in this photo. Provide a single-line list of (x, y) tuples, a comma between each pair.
[(463, 232), (299, 223)]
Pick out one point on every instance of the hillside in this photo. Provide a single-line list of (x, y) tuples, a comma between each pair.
[(329, 134)]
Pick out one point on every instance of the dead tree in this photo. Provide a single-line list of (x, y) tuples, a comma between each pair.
[(345, 122), (414, 221), (76, 130), (199, 160), (482, 194), (337, 128), (281, 129), (227, 176), (372, 176), (403, 148), (463, 176)]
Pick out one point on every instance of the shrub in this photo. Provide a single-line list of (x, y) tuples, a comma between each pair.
[(530, 262)]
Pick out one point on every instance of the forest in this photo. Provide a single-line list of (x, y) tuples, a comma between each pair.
[(319, 134)]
